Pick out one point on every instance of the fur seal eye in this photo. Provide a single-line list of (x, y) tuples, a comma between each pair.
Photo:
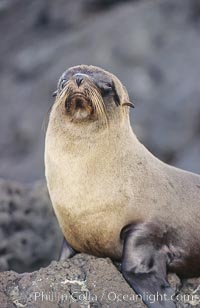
[(63, 83), (108, 84), (105, 88)]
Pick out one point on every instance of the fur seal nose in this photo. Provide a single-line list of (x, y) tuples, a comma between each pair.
[(79, 79)]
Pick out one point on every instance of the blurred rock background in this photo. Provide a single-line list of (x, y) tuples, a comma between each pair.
[(153, 46)]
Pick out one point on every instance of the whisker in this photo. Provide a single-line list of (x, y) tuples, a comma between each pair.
[(102, 107)]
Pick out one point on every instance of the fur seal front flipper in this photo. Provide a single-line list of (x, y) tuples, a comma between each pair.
[(144, 266), (66, 251)]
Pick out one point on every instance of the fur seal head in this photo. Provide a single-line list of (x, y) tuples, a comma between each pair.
[(88, 94)]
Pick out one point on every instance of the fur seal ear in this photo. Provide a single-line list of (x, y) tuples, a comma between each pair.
[(128, 104), (126, 98)]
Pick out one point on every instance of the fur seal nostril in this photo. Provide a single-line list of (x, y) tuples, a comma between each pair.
[(79, 80), (103, 182)]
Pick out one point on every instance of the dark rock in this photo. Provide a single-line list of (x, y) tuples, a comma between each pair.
[(189, 293), (83, 281), (29, 234), (98, 5)]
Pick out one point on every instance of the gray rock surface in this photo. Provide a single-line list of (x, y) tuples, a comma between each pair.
[(189, 293), (83, 281), (153, 46), (29, 234)]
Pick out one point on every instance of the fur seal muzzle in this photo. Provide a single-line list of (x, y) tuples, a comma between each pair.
[(111, 196)]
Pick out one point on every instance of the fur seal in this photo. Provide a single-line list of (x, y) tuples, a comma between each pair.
[(111, 196)]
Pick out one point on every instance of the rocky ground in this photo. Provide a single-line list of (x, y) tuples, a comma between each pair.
[(82, 281), (29, 234)]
